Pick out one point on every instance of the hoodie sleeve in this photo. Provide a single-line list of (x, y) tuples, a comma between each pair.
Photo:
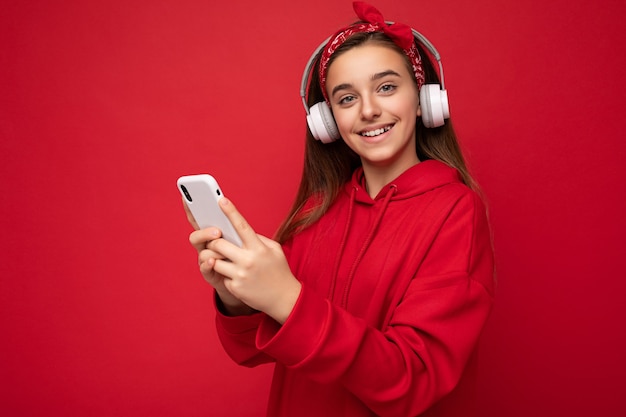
[(421, 354), (238, 333)]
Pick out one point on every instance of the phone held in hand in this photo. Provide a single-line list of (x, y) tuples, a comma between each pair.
[(201, 193)]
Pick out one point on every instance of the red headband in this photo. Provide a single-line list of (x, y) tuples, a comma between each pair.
[(400, 34)]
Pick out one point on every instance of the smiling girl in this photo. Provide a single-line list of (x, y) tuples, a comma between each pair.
[(372, 298)]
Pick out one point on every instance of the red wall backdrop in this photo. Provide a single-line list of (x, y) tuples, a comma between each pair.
[(104, 104)]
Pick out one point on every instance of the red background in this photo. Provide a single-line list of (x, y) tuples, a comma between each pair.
[(104, 104)]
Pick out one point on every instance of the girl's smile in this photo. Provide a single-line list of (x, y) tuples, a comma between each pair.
[(376, 132)]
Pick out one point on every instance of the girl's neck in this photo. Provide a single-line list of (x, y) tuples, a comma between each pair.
[(376, 177)]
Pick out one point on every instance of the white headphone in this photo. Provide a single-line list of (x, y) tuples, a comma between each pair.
[(433, 99)]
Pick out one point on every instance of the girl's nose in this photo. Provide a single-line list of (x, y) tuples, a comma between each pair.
[(369, 108)]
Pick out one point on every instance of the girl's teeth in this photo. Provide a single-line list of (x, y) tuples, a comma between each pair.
[(376, 132)]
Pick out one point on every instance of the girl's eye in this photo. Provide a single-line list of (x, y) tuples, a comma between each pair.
[(387, 88), (346, 100)]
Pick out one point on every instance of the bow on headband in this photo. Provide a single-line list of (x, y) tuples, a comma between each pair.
[(400, 34)]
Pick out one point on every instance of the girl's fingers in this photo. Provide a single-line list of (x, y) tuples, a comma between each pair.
[(203, 238), (206, 266), (243, 228), (208, 254), (199, 239), (225, 268)]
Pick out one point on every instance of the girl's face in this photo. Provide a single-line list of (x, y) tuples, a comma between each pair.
[(375, 103)]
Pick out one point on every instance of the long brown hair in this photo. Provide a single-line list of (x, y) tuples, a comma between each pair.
[(327, 167)]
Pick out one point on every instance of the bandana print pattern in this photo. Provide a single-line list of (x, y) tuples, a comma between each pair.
[(400, 34)]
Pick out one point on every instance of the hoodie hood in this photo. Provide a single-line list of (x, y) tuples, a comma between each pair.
[(418, 179)]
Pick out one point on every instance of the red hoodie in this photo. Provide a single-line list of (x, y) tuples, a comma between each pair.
[(395, 293)]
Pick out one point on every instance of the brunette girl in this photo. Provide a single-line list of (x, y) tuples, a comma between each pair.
[(372, 297)]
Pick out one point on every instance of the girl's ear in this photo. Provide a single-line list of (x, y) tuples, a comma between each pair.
[(419, 111)]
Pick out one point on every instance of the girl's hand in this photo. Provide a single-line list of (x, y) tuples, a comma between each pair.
[(257, 274), (200, 239)]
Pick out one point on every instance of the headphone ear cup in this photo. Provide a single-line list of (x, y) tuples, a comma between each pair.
[(434, 105), (322, 123)]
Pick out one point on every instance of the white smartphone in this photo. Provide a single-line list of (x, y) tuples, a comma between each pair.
[(201, 194)]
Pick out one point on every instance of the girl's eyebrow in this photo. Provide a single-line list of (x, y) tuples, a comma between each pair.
[(383, 74), (377, 76), (340, 87)]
